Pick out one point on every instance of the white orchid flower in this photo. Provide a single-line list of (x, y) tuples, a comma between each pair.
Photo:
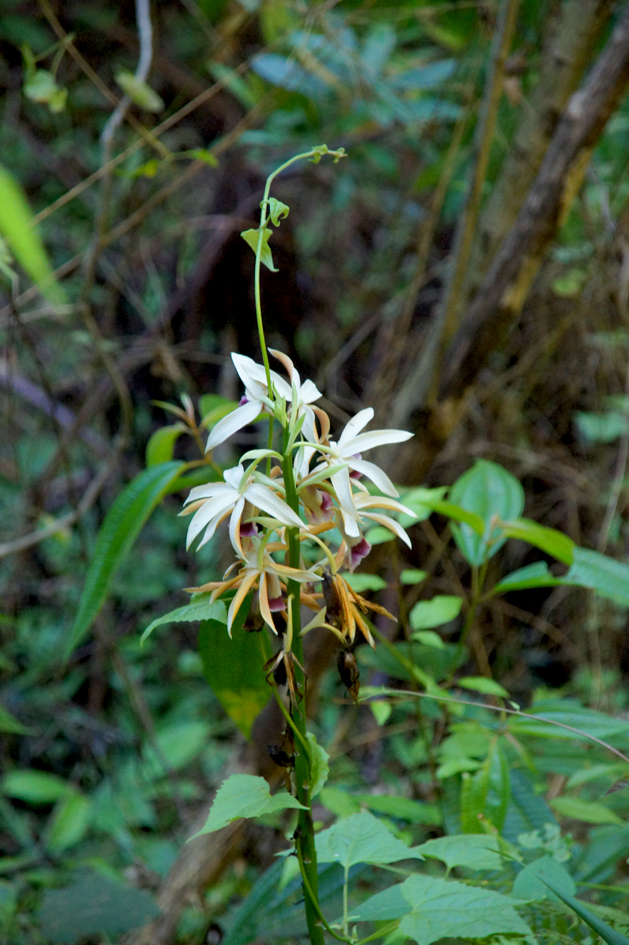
[(214, 501), (352, 443), (257, 397)]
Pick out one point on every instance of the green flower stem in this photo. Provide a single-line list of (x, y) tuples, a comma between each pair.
[(304, 839)]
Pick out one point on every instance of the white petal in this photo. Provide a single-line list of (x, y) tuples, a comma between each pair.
[(373, 472), (234, 526), (390, 524), (355, 425), (343, 490), (309, 393), (234, 421), (283, 389), (234, 476), (212, 509), (382, 502), (249, 371), (264, 499), (367, 441), (207, 491)]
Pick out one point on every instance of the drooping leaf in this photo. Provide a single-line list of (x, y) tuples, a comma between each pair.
[(161, 446), (609, 935), (609, 578), (33, 787), (277, 210), (588, 812), (234, 668), (200, 608), (320, 767), (243, 795), (361, 838), (251, 238), (432, 613), (474, 851), (489, 687), (533, 575), (121, 527), (22, 237), (530, 882), (93, 905), (550, 540), (487, 490)]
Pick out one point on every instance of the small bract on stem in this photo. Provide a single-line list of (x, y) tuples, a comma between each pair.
[(279, 520)]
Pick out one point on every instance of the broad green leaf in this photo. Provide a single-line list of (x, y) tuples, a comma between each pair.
[(381, 711), (588, 812), (422, 502), (320, 767), (179, 743), (288, 74), (140, 93), (34, 787), (200, 608), (243, 795), (22, 238), (378, 535), (389, 904), (118, 532), (474, 851), (609, 578), (489, 491), (447, 909), (365, 582), (550, 540), (251, 238), (529, 883), (9, 724), (234, 668), (433, 613), (161, 446), (361, 838), (412, 576), (277, 210), (401, 808), (429, 638), (609, 935), (68, 822), (339, 802), (527, 810), (459, 514), (489, 687), (93, 906), (533, 575)]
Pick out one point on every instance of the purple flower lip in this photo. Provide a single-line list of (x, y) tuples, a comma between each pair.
[(248, 530), (243, 400), (353, 473), (276, 603), (359, 551), (326, 502)]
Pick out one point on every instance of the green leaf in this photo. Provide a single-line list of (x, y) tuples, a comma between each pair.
[(474, 851), (251, 238), (9, 724), (140, 93), (446, 909), (93, 906), (234, 668), (602, 427), (432, 613), (161, 446), (243, 927), (527, 810), (530, 882), (412, 576), (609, 935), (213, 408), (378, 535), (450, 510), (609, 578), (118, 532), (243, 795), (546, 539), (68, 822), (489, 491), (489, 687), (34, 787), (41, 87), (22, 238), (320, 768), (422, 502), (201, 608), (361, 838), (389, 904), (533, 575), (429, 638), (401, 808), (203, 154), (588, 812), (277, 210), (365, 582), (587, 722)]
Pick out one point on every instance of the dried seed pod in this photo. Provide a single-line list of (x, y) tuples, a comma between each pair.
[(333, 607), (279, 674), (349, 672), (281, 757)]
